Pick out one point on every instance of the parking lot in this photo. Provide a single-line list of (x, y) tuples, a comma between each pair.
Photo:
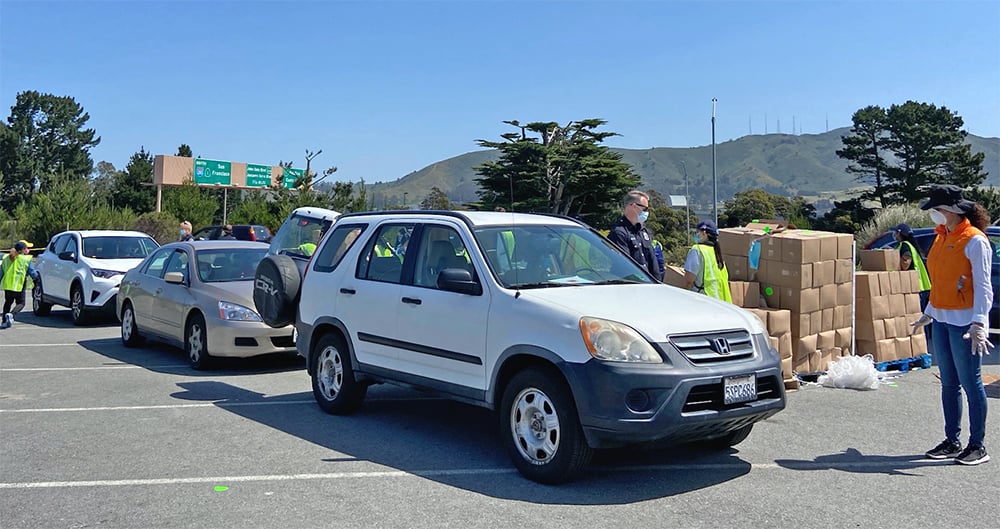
[(96, 435)]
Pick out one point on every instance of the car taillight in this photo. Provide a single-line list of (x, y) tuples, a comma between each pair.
[(253, 236)]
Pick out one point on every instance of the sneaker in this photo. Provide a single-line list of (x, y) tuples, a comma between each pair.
[(945, 450), (972, 455)]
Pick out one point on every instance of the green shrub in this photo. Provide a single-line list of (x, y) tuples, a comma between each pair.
[(162, 226)]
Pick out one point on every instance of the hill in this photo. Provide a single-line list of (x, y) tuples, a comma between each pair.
[(786, 164)]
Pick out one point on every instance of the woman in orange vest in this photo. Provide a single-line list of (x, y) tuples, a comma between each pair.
[(961, 296)]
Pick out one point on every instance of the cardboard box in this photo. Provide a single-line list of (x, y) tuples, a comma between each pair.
[(825, 357), (884, 283), (872, 309), (792, 275), (816, 322), (785, 345), (737, 267), (787, 369), (779, 321), (797, 248), (845, 247), (912, 303), (897, 305), (772, 295), (824, 273), (828, 296), (826, 320), (890, 328), (881, 350), (842, 316), (845, 294), (866, 285), (736, 293), (918, 345), (896, 283), (736, 241), (800, 324), (826, 340), (806, 344), (766, 225), (770, 248), (870, 330), (903, 325), (800, 300), (800, 362), (774, 343), (879, 260), (674, 275), (816, 361), (903, 347), (827, 246), (843, 271), (844, 338)]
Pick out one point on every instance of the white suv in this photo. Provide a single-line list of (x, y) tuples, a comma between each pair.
[(82, 270), (537, 317)]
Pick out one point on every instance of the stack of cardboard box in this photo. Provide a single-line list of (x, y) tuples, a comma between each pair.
[(779, 330), (886, 303), (810, 274)]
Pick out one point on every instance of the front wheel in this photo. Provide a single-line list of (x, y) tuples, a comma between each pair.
[(196, 342), (541, 428), (77, 306), (130, 331), (334, 387)]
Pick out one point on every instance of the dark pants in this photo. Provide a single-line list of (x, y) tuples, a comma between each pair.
[(925, 298), (10, 298)]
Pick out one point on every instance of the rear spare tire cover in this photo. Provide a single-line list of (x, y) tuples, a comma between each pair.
[(276, 290)]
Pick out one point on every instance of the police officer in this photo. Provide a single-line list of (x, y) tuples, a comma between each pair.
[(631, 236)]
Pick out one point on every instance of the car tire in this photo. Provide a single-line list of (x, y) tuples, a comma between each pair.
[(39, 307), (541, 427), (732, 438), (196, 342), (78, 308), (130, 330), (334, 387), (276, 290)]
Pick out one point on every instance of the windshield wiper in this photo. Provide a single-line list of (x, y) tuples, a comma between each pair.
[(617, 282), (543, 284)]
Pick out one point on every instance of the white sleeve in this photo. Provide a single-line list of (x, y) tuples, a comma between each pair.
[(980, 255)]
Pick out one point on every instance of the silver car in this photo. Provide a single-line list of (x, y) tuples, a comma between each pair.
[(199, 295)]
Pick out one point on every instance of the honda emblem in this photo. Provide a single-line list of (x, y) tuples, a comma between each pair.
[(720, 345)]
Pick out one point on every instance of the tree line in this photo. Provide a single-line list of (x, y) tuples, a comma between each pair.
[(48, 181)]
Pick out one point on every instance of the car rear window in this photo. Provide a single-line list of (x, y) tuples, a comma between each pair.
[(118, 247)]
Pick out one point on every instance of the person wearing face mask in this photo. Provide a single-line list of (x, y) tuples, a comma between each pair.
[(630, 234), (704, 270), (185, 231), (959, 265)]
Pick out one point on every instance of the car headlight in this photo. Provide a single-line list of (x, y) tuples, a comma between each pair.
[(616, 342), (232, 311), (105, 274)]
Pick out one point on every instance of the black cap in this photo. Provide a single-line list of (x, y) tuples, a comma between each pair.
[(947, 197), (903, 229), (20, 246)]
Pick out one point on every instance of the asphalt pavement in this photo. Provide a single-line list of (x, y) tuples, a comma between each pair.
[(93, 434)]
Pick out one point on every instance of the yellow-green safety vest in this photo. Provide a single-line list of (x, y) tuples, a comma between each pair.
[(715, 282), (918, 264), (14, 272), (307, 248)]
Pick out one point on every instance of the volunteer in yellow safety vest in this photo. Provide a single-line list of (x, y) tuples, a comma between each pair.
[(704, 270), (959, 265), (14, 268), (910, 258)]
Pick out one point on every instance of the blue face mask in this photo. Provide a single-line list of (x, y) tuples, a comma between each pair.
[(643, 216), (182, 233)]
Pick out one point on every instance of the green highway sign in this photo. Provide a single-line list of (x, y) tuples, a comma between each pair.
[(289, 176), (258, 175), (212, 172)]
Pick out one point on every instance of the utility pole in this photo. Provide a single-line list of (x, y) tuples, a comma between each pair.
[(687, 202), (715, 181)]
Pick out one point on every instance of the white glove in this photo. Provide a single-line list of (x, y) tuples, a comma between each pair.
[(922, 322), (980, 345)]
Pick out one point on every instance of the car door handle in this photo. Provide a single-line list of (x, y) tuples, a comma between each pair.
[(348, 291), (412, 301)]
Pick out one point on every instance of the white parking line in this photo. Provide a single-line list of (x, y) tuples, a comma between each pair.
[(227, 480), (123, 366), (220, 404)]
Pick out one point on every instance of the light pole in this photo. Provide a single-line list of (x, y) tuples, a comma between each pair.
[(715, 182), (404, 199), (687, 202)]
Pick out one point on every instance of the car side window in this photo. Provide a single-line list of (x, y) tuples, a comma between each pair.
[(381, 259), (155, 265), (336, 246), (71, 246), (58, 244), (178, 262), (440, 247)]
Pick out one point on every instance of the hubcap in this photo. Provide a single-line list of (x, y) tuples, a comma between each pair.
[(535, 426), (330, 372), (195, 343), (36, 295), (127, 324), (77, 304)]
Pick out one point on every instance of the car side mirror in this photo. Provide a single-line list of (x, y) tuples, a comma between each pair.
[(67, 256), (174, 277), (459, 280)]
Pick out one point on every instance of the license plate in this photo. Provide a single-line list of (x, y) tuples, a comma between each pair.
[(740, 388)]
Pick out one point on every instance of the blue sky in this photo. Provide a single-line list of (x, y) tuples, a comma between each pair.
[(387, 88)]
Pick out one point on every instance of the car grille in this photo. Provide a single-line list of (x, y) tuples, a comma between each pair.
[(714, 347), (709, 396)]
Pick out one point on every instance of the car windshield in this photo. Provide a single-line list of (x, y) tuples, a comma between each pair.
[(299, 236), (550, 256), (118, 247), (237, 264)]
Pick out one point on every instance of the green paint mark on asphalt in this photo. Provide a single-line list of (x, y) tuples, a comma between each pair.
[(221, 488)]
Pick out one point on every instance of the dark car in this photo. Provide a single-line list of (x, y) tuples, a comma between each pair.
[(243, 232), (925, 237)]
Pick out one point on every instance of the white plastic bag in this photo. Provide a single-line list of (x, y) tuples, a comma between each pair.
[(851, 372)]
